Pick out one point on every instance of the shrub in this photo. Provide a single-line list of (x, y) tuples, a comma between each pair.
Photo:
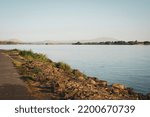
[(63, 66), (36, 70), (25, 78), (30, 55), (17, 63), (85, 76), (15, 50), (77, 73)]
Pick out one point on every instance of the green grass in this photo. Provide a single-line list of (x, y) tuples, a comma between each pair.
[(17, 63), (33, 56), (77, 73), (16, 50), (36, 70), (63, 66), (30, 55), (25, 78)]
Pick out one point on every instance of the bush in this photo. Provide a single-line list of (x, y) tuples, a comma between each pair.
[(36, 70), (63, 66), (16, 50), (17, 63), (77, 73), (30, 55)]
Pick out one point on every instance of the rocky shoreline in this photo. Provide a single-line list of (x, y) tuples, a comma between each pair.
[(58, 81)]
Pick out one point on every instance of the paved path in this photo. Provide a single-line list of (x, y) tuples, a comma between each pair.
[(11, 87)]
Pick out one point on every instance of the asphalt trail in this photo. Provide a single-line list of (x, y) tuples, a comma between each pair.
[(11, 87)]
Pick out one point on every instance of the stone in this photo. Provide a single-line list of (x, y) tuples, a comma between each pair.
[(92, 81), (142, 97), (118, 86), (130, 91), (81, 78), (116, 91), (102, 83), (148, 96)]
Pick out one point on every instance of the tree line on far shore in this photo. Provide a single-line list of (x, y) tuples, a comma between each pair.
[(114, 43)]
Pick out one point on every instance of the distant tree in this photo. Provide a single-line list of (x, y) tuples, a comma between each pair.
[(146, 43), (131, 42), (108, 42), (78, 43)]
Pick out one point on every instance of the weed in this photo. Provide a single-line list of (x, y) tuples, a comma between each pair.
[(63, 66)]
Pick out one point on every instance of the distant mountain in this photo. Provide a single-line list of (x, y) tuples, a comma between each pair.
[(15, 40), (52, 41), (12, 40), (56, 42), (102, 39)]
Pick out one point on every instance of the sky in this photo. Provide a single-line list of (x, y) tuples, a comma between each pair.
[(39, 20)]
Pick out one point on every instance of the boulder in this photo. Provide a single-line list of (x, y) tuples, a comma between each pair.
[(91, 81), (148, 96), (141, 96), (130, 91), (81, 78), (102, 83), (118, 86), (116, 90)]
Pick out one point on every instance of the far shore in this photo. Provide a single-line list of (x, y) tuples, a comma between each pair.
[(78, 43)]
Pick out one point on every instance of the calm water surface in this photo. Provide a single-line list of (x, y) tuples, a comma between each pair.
[(126, 64)]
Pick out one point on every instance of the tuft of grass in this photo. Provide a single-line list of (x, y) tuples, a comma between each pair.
[(36, 70), (33, 56), (63, 66), (17, 63), (25, 78), (85, 76), (77, 73), (16, 50)]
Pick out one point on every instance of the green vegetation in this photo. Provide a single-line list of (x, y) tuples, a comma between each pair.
[(16, 50), (36, 70), (33, 56), (17, 63), (77, 73), (26, 78), (7, 42), (20, 55), (85, 76), (114, 43), (63, 66)]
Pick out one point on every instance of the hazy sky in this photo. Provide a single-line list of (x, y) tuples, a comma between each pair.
[(35, 20)]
